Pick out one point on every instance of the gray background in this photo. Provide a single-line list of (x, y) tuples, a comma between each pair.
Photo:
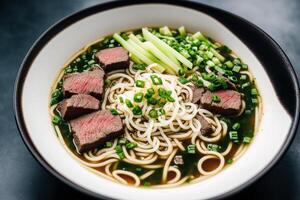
[(21, 22)]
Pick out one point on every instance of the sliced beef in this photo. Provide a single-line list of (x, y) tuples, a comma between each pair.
[(206, 127), (90, 82), (197, 93), (113, 58), (94, 129), (230, 104), (77, 105)]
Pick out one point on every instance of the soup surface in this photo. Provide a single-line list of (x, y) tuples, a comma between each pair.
[(155, 107)]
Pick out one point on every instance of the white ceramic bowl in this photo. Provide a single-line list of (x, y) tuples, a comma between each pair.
[(54, 48)]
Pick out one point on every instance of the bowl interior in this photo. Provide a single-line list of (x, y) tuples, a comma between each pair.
[(275, 121)]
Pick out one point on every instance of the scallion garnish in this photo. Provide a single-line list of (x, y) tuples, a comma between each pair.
[(214, 147), (114, 111), (153, 113), (121, 99), (254, 92), (229, 161), (243, 77), (183, 80), (162, 92), (138, 97), (156, 80), (233, 135), (236, 68), (128, 103), (108, 144), (236, 126), (244, 85), (122, 141), (139, 83), (56, 120), (246, 140), (191, 149), (152, 101), (215, 99), (137, 110), (162, 111), (139, 66), (170, 99), (131, 145)]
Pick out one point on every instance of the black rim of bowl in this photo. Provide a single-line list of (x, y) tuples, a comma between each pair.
[(213, 12)]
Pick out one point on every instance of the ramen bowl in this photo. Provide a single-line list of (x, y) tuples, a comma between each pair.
[(274, 75)]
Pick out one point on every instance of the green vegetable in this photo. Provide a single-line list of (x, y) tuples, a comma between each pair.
[(236, 126), (138, 97), (246, 140), (214, 147), (165, 31), (244, 66), (162, 111), (121, 155), (215, 99), (128, 103), (139, 66), (140, 83), (243, 77), (182, 31), (146, 184), (229, 161), (137, 110), (216, 54), (138, 169), (233, 135), (153, 113), (191, 149), (170, 99), (236, 68), (121, 99), (114, 111), (131, 145), (156, 80), (57, 93), (107, 83), (244, 85), (152, 101), (56, 120), (229, 64), (254, 92), (108, 144), (118, 149), (122, 141), (183, 80), (254, 101)]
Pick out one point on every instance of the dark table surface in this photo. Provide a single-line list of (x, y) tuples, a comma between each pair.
[(21, 22)]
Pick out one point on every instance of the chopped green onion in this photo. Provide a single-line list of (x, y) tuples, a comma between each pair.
[(138, 97), (182, 31), (162, 111), (162, 102), (56, 120), (114, 111), (229, 161), (244, 85), (121, 155), (162, 92), (210, 63), (121, 99), (181, 71), (191, 149), (244, 66), (229, 64), (183, 80), (246, 140), (91, 62), (118, 149), (199, 83), (236, 68), (165, 31), (254, 101), (243, 77), (139, 83), (233, 79), (156, 80), (56, 93), (233, 135), (108, 144), (214, 147), (153, 113), (211, 87), (254, 92), (215, 99), (236, 126), (138, 169), (149, 93), (195, 78), (122, 141), (146, 183), (137, 110), (152, 101), (237, 61), (131, 145), (170, 99), (139, 66), (107, 83), (128, 103)]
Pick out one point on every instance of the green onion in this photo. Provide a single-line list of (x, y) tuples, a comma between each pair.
[(162, 111), (91, 62), (170, 99), (122, 141), (165, 31), (215, 99), (128, 103), (121, 155), (191, 149), (182, 31), (152, 101), (139, 66), (195, 78), (114, 111), (229, 161), (246, 140), (183, 80), (131, 145), (138, 97), (243, 77), (233, 79), (108, 144), (57, 93), (210, 63), (107, 83), (150, 92), (236, 126), (138, 169), (236, 68), (229, 64), (146, 183), (153, 113), (214, 147), (237, 61), (139, 83), (244, 66), (212, 87), (137, 110), (233, 135), (254, 101), (118, 149), (56, 120), (244, 85), (121, 99), (199, 83), (162, 92), (162, 102), (254, 92), (156, 80), (181, 71)]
